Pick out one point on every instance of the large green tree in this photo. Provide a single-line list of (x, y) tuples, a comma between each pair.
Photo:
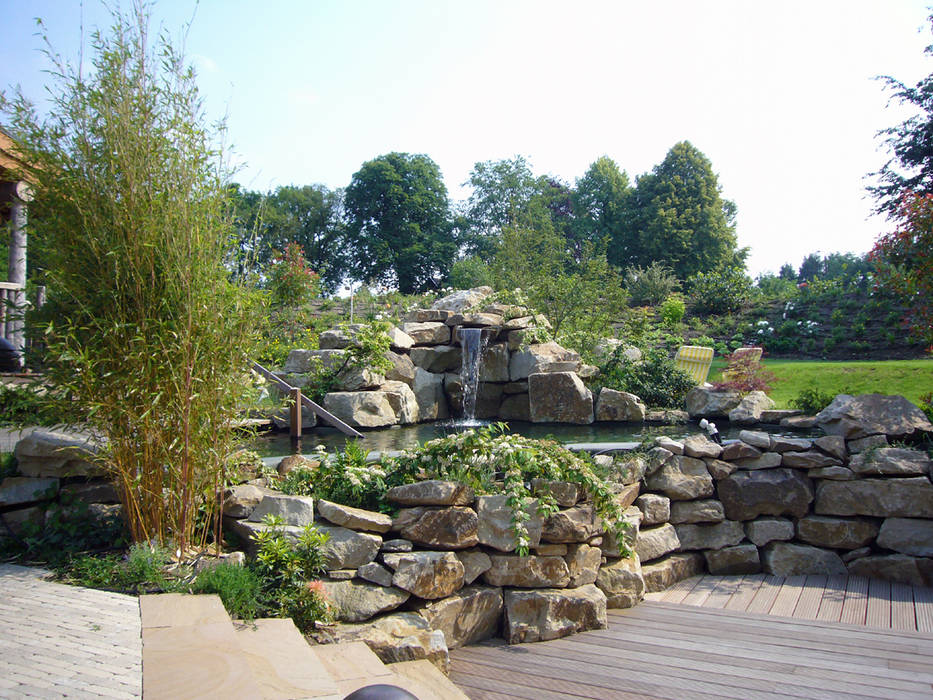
[(599, 203), (678, 217), (503, 191), (398, 220)]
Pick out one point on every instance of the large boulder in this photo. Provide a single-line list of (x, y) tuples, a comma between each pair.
[(655, 509), (733, 561), (750, 408), (559, 397), (662, 574), (361, 409), (654, 542), (429, 393), (300, 361), (891, 461), (530, 571), (746, 495), (583, 564), (475, 563), (488, 397), (907, 536), (914, 571), (533, 616), (402, 369), (468, 616), (48, 453), (398, 339), (902, 498), (437, 358), (454, 527), (622, 582), (789, 559), (542, 358), (428, 575), (515, 407), (576, 524), (348, 549), (764, 530), (709, 403), (431, 492), (703, 511), (293, 510), (355, 601), (619, 406), (837, 533), (709, 535), (681, 478), (358, 379), (495, 523), (353, 518), (18, 490), (393, 638), (462, 299), (495, 363), (402, 400), (701, 447), (855, 417), (811, 459), (429, 333)]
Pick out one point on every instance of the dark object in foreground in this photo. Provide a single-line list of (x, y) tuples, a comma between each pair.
[(380, 691), (9, 358)]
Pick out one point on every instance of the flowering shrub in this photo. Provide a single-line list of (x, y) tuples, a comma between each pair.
[(291, 281), (491, 461), (346, 478)]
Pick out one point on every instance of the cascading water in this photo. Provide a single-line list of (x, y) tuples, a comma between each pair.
[(472, 344)]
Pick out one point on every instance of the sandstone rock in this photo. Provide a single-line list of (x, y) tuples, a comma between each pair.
[(700, 446), (764, 530), (666, 416), (292, 462), (559, 397), (495, 523), (427, 575), (393, 638), (551, 550), (837, 533), (832, 473), (776, 415), (576, 524), (654, 542), (768, 460), (424, 315), (468, 616), (338, 338), (756, 439), (682, 479), (475, 563), (708, 511), (437, 358), (664, 573), (630, 469), (903, 498), (622, 582), (429, 393), (341, 574), (565, 493), (462, 299), (240, 501), (399, 339), (17, 520), (495, 363), (657, 458), (542, 358), (718, 469), (799, 422), (488, 397), (856, 554), (656, 509), (355, 601), (609, 546), (402, 400), (908, 536), (402, 370), (788, 559), (780, 443), (833, 445), (431, 492), (709, 403), (90, 492), (531, 571), (855, 417), (519, 387), (673, 446), (52, 454), (710, 536), (532, 616), (812, 459), (475, 320), (358, 379), (733, 561), (901, 568), (347, 549), (397, 545), (750, 408), (891, 461), (583, 563), (612, 405), (746, 495), (375, 573), (453, 527), (361, 409), (293, 510), (16, 490), (739, 450), (626, 495), (300, 361), (428, 333), (353, 518), (866, 443), (515, 407)]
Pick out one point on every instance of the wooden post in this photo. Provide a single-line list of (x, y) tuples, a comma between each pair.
[(295, 412)]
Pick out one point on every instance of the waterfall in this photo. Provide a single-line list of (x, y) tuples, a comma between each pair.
[(472, 345)]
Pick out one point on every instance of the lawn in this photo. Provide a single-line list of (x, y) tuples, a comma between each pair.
[(910, 378)]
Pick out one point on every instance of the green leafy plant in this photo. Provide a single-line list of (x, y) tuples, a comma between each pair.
[(345, 478), (651, 285), (141, 570), (672, 310), (811, 400), (654, 379), (719, 291), (926, 405), (239, 589), (291, 281)]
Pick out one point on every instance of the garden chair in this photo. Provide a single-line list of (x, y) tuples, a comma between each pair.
[(695, 361)]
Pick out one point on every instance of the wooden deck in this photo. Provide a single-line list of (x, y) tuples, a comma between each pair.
[(730, 647)]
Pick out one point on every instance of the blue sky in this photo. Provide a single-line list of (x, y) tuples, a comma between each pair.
[(779, 96)]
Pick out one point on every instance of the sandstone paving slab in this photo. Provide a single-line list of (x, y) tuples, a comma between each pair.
[(60, 640)]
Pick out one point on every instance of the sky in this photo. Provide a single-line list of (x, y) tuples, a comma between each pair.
[(780, 96)]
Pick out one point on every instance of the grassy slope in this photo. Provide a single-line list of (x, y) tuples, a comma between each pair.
[(910, 378)]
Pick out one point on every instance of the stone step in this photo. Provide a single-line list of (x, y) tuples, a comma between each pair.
[(282, 663), (352, 661), (424, 680)]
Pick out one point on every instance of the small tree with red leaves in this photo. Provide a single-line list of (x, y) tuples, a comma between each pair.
[(291, 281), (745, 374)]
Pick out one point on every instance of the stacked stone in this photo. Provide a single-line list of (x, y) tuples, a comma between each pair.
[(447, 564), (53, 466), (539, 382), (843, 503)]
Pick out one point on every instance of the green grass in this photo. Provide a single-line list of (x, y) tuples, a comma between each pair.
[(909, 378)]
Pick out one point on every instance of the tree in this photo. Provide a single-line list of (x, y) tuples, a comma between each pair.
[(399, 223), (501, 198), (904, 262), (599, 202), (149, 335), (679, 218), (909, 171)]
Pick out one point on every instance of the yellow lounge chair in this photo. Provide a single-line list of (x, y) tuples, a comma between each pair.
[(695, 361)]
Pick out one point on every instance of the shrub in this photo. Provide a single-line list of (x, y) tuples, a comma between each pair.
[(469, 273), (672, 310), (291, 281), (651, 285), (811, 400), (719, 291), (655, 379), (745, 374), (239, 589), (345, 478), (926, 405), (142, 570)]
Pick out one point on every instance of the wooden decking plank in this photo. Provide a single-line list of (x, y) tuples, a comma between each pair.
[(766, 594), (808, 605), (724, 590), (787, 597), (701, 591), (677, 592), (834, 594), (902, 607), (741, 599), (923, 607), (855, 606), (879, 603)]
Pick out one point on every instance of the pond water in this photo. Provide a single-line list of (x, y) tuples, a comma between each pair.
[(410, 436)]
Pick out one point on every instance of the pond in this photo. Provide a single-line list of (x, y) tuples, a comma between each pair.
[(410, 436)]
